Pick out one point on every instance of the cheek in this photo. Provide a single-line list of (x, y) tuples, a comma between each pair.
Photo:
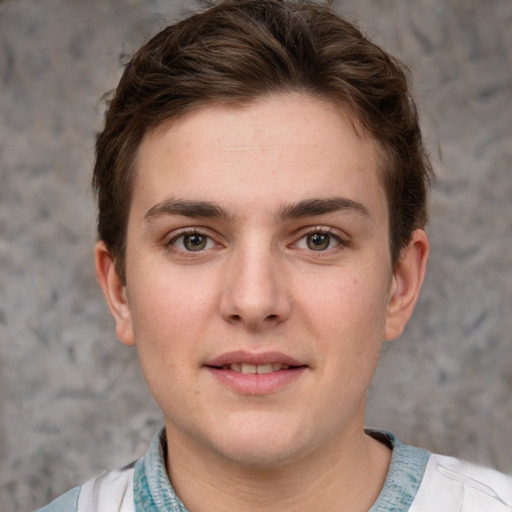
[(172, 298), (166, 339), (171, 312), (346, 304), (347, 317)]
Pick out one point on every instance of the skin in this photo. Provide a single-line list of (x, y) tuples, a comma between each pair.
[(284, 203)]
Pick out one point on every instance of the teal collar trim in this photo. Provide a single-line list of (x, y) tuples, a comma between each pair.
[(152, 490), (405, 473)]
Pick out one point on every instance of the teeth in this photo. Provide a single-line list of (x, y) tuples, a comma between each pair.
[(264, 368), (248, 368), (260, 369)]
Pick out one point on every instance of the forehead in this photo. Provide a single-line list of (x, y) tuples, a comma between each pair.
[(283, 148)]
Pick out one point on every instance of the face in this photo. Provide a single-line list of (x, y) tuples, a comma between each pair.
[(259, 285)]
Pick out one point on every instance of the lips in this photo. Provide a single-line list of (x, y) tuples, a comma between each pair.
[(250, 373)]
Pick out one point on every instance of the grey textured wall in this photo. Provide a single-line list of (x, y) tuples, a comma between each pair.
[(72, 400)]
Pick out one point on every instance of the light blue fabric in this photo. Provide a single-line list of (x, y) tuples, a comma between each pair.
[(65, 503), (152, 490), (404, 477)]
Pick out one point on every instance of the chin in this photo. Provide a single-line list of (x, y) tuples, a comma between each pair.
[(258, 455), (260, 447)]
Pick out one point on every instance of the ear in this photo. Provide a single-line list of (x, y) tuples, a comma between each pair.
[(115, 293), (406, 284)]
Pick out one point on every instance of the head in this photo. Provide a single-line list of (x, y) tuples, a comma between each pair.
[(261, 184), (239, 51)]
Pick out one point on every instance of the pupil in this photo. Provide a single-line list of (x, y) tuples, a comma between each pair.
[(318, 241), (195, 242)]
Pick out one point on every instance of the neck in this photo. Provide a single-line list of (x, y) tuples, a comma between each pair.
[(346, 475)]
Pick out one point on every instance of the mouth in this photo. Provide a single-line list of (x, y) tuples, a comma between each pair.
[(250, 363), (256, 374), (248, 368)]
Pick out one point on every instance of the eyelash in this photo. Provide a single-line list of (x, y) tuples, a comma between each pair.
[(169, 244), (342, 242)]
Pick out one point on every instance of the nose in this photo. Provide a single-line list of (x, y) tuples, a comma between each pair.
[(255, 293)]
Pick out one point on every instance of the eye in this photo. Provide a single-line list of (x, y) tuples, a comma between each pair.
[(192, 242), (319, 241)]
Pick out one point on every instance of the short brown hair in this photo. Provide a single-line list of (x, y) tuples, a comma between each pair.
[(240, 50)]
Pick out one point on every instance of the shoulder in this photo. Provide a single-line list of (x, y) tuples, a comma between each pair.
[(462, 486), (419, 481), (110, 492), (114, 491), (65, 503)]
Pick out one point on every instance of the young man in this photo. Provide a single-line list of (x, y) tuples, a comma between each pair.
[(262, 188)]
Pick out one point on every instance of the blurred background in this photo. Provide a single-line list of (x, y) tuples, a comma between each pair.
[(72, 399)]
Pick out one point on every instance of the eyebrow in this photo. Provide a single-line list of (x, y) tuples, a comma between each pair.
[(209, 210), (187, 208), (313, 207)]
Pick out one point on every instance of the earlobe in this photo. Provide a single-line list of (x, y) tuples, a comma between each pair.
[(115, 293), (406, 284)]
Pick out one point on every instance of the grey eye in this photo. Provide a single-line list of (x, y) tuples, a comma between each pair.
[(318, 241)]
